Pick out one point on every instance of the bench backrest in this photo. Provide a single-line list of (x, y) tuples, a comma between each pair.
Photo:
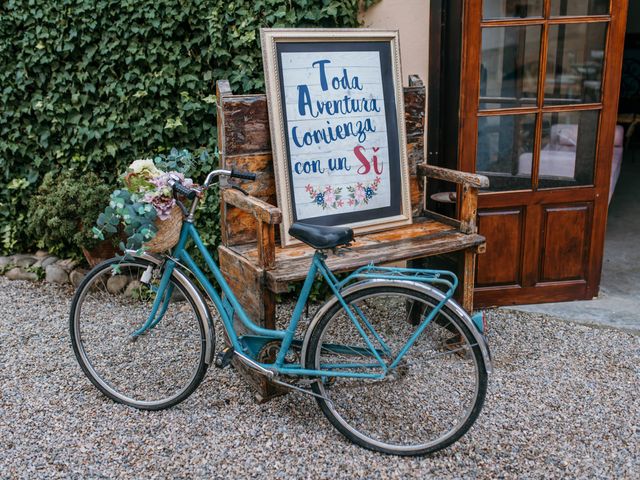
[(244, 142)]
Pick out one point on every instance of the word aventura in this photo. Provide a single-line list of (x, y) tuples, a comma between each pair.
[(347, 105)]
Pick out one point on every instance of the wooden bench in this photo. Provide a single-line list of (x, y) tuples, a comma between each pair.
[(251, 258)]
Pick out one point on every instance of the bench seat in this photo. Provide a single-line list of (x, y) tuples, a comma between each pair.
[(424, 238)]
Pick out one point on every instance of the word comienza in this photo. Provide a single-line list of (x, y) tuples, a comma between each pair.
[(347, 105)]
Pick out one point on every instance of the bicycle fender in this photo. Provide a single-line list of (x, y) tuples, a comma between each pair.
[(417, 286)]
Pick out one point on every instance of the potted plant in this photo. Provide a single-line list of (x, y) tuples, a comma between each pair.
[(145, 210), (62, 212)]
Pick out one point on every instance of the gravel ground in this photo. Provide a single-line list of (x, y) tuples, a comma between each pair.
[(563, 402)]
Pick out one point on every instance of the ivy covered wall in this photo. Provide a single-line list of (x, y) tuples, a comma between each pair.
[(90, 85)]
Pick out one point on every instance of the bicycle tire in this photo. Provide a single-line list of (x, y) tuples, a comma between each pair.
[(145, 373), (405, 411)]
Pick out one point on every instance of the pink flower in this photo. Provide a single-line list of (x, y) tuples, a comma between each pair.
[(309, 188), (359, 193), (351, 202), (340, 203), (328, 188), (329, 197)]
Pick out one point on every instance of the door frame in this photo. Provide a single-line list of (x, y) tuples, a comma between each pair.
[(531, 290)]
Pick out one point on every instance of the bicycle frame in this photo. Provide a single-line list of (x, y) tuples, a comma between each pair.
[(227, 304)]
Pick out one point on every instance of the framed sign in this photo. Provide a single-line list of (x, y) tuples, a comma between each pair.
[(337, 127)]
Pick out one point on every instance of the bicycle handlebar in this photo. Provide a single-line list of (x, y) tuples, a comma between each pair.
[(187, 192), (244, 175), (191, 193)]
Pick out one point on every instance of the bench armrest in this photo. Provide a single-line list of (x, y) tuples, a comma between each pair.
[(260, 209), (455, 176), (267, 216), (470, 182)]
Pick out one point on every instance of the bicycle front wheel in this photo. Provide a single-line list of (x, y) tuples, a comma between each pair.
[(154, 370), (425, 402)]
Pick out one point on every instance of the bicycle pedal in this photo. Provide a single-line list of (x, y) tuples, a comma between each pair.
[(224, 357)]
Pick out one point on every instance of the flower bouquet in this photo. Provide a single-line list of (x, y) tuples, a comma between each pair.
[(145, 211)]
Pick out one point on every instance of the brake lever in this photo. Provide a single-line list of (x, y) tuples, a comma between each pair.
[(180, 204)]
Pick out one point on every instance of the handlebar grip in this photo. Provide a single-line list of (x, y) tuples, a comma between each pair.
[(243, 175), (184, 191)]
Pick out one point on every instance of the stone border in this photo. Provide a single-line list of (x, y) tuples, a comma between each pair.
[(42, 266)]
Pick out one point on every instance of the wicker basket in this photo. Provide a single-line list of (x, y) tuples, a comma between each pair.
[(168, 232)]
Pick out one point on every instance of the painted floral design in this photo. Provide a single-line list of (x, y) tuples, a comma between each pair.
[(329, 197), (360, 194)]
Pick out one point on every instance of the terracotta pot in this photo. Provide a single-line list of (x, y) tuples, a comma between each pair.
[(104, 250)]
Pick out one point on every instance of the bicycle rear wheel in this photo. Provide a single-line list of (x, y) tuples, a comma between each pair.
[(155, 370), (427, 402)]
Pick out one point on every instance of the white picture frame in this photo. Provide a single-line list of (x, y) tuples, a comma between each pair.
[(336, 113)]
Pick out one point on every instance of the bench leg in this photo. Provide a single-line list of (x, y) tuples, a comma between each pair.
[(468, 279), (247, 283)]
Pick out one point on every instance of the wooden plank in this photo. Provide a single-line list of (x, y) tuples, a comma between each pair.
[(468, 279), (438, 217), (261, 164), (266, 245), (414, 109), (469, 209), (246, 124), (415, 155), (455, 176), (261, 210), (239, 226), (246, 280), (294, 270)]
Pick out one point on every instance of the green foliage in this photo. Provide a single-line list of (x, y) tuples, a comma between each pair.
[(90, 85), (63, 210), (130, 210), (94, 84), (235, 31)]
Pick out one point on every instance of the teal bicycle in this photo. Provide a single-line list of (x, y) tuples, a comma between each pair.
[(395, 364)]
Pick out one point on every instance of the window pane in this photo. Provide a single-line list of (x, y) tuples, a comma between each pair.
[(492, 9), (579, 7), (503, 141), (574, 63), (568, 150), (509, 66)]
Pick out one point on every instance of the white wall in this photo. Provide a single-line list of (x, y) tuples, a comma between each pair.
[(411, 19)]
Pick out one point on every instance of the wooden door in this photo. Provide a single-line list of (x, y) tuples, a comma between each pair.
[(539, 92)]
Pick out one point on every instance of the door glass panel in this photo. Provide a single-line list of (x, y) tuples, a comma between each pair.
[(492, 9), (574, 63), (579, 7), (509, 66), (503, 143), (568, 150)]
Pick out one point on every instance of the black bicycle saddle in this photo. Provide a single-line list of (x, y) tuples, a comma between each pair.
[(321, 237)]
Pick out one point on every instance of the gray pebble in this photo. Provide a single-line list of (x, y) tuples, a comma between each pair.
[(132, 287), (68, 265), (56, 274), (18, 273), (117, 283), (44, 262), (562, 403), (4, 261), (25, 261), (77, 276)]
